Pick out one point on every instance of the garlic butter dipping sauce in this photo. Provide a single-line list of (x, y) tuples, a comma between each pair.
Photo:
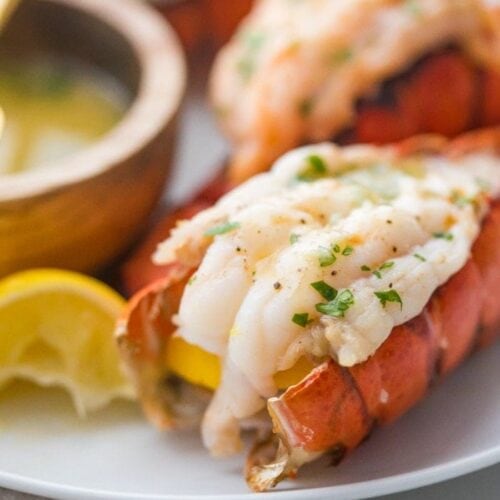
[(53, 108)]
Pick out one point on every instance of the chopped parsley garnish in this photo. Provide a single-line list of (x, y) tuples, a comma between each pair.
[(419, 257), (294, 238), (386, 265), (341, 56), (389, 296), (326, 257), (378, 272), (246, 68), (315, 169), (325, 290), (338, 306), (317, 163), (305, 107), (301, 319), (443, 235), (253, 42), (460, 200), (192, 279), (413, 8), (227, 227), (347, 251), (50, 84)]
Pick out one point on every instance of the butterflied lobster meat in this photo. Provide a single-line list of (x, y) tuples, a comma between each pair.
[(321, 299), (355, 71), (351, 71)]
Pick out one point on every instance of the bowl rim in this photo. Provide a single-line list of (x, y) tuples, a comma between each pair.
[(162, 83)]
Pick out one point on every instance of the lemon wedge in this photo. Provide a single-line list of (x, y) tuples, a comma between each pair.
[(203, 368), (56, 329)]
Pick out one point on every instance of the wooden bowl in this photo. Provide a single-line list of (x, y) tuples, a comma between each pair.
[(83, 211)]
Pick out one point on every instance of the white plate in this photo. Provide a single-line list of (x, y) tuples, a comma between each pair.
[(46, 450), (115, 454)]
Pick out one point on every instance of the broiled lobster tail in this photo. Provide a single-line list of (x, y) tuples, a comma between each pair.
[(335, 408), (355, 72)]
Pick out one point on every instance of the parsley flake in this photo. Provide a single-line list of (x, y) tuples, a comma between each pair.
[(386, 265), (325, 290), (389, 296), (294, 238), (326, 257), (227, 227), (317, 163), (254, 40), (341, 56), (315, 169), (413, 8), (338, 306), (460, 200), (246, 68), (419, 257), (301, 319), (305, 107), (378, 272), (347, 251), (443, 235)]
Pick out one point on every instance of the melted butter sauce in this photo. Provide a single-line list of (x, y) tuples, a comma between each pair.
[(54, 108)]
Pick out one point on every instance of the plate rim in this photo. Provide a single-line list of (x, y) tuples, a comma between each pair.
[(364, 489)]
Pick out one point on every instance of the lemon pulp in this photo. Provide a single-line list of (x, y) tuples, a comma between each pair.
[(56, 328), (199, 367)]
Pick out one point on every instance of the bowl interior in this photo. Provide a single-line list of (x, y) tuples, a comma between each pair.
[(125, 39), (48, 27)]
